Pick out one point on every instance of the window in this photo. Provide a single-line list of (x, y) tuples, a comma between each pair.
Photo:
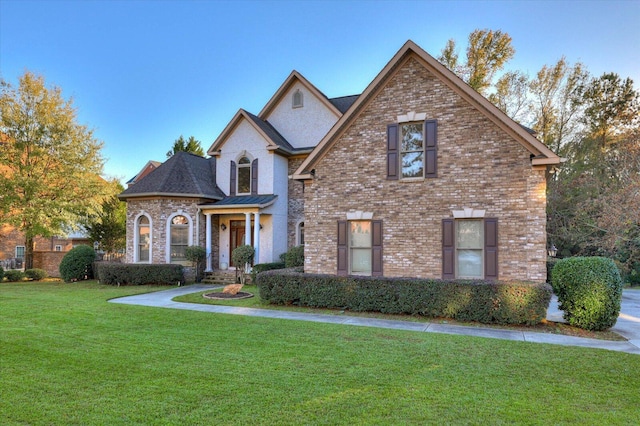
[(301, 234), (179, 238), (470, 248), (58, 248), (244, 176), (360, 247), (297, 99), (19, 252), (144, 238), (411, 150), (469, 245)]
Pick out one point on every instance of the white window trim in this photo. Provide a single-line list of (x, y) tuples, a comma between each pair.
[(136, 238), (411, 117), (168, 233), (24, 252), (238, 167), (58, 247), (298, 234), (481, 249)]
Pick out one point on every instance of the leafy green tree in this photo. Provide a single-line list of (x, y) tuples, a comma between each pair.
[(511, 94), (108, 226), (191, 145), (49, 164), (487, 53)]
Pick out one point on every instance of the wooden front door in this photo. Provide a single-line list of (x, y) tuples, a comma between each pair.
[(237, 237)]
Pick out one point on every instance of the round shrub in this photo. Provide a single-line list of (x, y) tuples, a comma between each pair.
[(294, 257), (1, 274), (36, 274), (589, 291), (76, 265), (14, 275)]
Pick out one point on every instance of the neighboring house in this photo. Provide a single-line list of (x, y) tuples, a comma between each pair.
[(47, 253), (148, 168), (419, 176)]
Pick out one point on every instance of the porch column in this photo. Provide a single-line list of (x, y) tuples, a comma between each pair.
[(208, 242), (247, 229), (256, 238)]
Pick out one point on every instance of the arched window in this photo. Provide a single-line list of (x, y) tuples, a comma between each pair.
[(144, 239), (297, 99), (301, 234), (244, 176), (179, 234)]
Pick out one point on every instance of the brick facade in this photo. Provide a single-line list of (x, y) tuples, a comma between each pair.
[(159, 210), (479, 166)]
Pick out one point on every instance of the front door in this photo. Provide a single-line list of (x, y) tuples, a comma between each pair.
[(237, 236)]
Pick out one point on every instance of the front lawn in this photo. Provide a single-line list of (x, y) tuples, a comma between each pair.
[(69, 357)]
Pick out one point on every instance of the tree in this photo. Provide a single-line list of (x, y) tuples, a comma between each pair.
[(191, 145), (557, 97), (511, 94), (487, 52), (109, 225), (49, 164)]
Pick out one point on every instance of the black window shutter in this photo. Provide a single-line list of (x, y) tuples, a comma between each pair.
[(232, 180), (431, 148), (376, 248), (448, 249), (393, 162), (491, 249), (343, 268), (254, 177)]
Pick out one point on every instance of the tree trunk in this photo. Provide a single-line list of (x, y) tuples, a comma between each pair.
[(28, 253)]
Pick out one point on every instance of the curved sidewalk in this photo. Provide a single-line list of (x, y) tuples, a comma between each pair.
[(628, 324)]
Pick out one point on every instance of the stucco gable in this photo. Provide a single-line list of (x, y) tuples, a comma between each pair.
[(541, 154)]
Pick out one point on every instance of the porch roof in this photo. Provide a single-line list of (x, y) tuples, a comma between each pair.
[(243, 203)]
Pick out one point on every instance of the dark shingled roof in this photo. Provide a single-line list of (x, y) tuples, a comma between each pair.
[(343, 103), (271, 132), (183, 174)]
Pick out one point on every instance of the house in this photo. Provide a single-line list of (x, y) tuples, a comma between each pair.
[(242, 193), (418, 176), (424, 177), (47, 252)]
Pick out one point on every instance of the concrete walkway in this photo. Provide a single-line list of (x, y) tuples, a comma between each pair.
[(628, 324)]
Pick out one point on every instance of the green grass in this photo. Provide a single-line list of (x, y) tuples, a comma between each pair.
[(68, 357)]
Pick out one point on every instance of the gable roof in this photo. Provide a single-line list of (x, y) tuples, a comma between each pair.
[(275, 141), (542, 154), (184, 174), (294, 77)]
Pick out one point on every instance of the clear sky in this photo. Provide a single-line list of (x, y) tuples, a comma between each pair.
[(141, 73)]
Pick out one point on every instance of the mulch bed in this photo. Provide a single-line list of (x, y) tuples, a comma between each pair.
[(218, 295)]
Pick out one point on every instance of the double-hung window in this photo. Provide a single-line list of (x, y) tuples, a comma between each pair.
[(144, 239), (412, 150), (360, 247), (179, 238), (244, 177), (470, 248)]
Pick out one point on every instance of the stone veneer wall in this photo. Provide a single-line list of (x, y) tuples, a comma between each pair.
[(159, 209), (295, 212), (479, 166)]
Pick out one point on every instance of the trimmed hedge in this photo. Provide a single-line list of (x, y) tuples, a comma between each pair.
[(589, 291), (261, 267), (138, 274), (481, 301), (36, 274), (76, 264), (14, 275), (294, 257)]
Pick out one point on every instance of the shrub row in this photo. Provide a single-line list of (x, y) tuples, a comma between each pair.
[(137, 274), (14, 275), (261, 267), (482, 301), (589, 291)]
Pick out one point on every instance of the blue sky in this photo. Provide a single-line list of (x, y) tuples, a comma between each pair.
[(141, 73)]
